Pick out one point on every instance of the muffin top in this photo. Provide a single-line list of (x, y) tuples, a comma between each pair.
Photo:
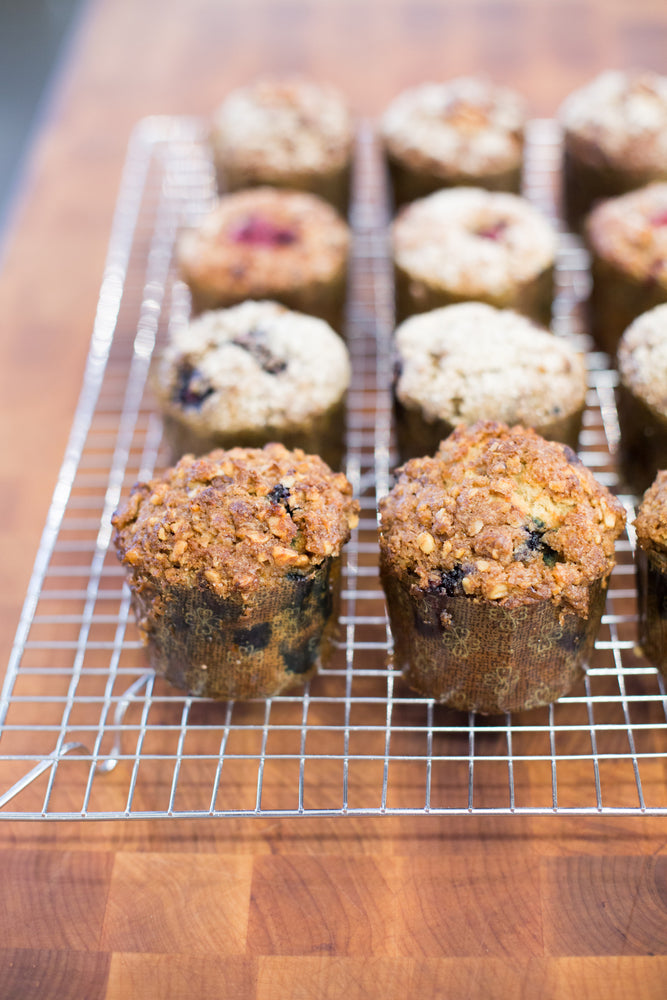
[(264, 239), (464, 127), (642, 358), (619, 119), (501, 514), (651, 520), (254, 365), (282, 125), (473, 241), (470, 361), (235, 520), (630, 232)]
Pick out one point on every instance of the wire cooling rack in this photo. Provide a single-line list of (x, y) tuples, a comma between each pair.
[(88, 732)]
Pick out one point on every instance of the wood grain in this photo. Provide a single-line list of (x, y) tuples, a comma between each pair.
[(393, 907)]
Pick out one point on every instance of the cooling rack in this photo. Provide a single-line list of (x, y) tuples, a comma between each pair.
[(87, 732)]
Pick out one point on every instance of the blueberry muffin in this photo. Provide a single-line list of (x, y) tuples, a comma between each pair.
[(470, 362), (642, 398), (627, 238), (467, 131), (614, 138), (251, 374), (651, 566), (265, 243), (495, 557), (466, 243), (233, 562), (286, 132)]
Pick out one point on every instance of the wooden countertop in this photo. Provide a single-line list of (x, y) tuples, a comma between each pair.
[(390, 906)]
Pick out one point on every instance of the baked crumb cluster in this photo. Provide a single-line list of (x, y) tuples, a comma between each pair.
[(651, 520), (630, 232), (283, 125), (464, 126), (459, 362), (475, 241), (253, 365), (619, 118), (501, 514), (235, 520)]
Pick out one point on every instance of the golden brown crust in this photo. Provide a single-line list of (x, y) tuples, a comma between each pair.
[(629, 233), (651, 520), (235, 521), (501, 514)]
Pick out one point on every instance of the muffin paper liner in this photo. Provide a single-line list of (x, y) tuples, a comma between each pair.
[(226, 648), (417, 436), (652, 606), (411, 182), (476, 655), (643, 444), (616, 299)]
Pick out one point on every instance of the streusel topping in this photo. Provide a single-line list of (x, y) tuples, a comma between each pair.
[(233, 520), (642, 358), (473, 241), (286, 124), (250, 366), (630, 232), (464, 126), (471, 361), (620, 118), (501, 514), (651, 520)]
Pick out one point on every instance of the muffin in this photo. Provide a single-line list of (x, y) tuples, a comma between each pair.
[(627, 238), (495, 557), (642, 399), (651, 567), (252, 374), (466, 243), (285, 132), (614, 138), (233, 563), (264, 243), (471, 362), (466, 131)]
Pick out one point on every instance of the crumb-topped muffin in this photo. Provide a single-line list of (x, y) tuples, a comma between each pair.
[(642, 398), (627, 237), (470, 362), (614, 138), (265, 243), (651, 567), (286, 132), (495, 557), (466, 131), (251, 374), (466, 243), (233, 562)]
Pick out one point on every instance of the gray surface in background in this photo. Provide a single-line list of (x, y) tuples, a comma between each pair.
[(32, 33)]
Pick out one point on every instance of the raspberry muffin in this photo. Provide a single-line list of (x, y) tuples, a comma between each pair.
[(470, 362), (233, 562), (627, 238), (467, 131), (286, 132), (265, 243), (614, 138), (252, 374), (466, 243), (495, 557)]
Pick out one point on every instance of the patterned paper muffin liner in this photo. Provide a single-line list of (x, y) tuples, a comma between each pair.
[(214, 647), (409, 182), (417, 436), (643, 444), (476, 655)]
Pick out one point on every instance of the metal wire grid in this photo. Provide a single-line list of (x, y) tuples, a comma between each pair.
[(88, 733)]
